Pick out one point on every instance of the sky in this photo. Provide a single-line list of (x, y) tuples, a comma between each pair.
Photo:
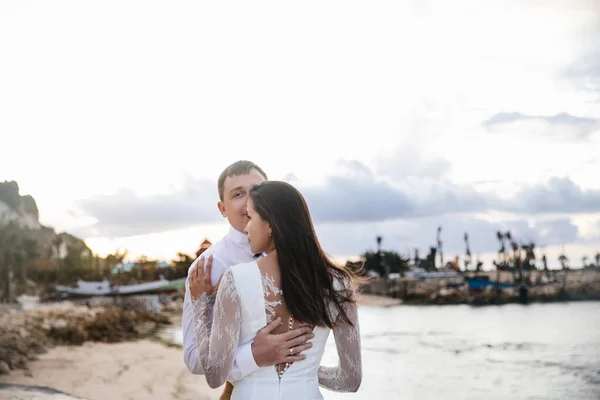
[(391, 117)]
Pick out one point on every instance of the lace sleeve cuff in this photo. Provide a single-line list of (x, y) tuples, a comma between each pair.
[(202, 307)]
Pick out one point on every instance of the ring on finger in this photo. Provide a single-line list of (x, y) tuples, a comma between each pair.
[(291, 351)]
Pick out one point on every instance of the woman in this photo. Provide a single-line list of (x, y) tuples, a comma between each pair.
[(295, 282)]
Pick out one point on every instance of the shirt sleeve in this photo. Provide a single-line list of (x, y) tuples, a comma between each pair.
[(218, 337), (244, 363)]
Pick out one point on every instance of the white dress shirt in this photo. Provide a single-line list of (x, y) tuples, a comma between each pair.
[(232, 249)]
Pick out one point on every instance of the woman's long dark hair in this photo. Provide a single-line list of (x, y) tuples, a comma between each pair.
[(307, 274)]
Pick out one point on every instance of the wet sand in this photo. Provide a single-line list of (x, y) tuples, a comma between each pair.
[(374, 300)]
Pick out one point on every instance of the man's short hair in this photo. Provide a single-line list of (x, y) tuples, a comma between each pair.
[(240, 167)]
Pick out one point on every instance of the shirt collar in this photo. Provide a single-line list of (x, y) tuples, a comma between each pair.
[(239, 238)]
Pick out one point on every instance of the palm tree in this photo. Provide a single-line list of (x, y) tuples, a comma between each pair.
[(439, 246), (57, 243), (29, 251), (417, 259), (513, 244), (8, 242), (597, 258), (515, 263), (478, 265), (564, 261), (528, 263), (501, 263), (17, 248), (545, 263), (500, 237), (584, 261), (467, 252)]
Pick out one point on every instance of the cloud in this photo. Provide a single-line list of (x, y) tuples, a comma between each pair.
[(584, 73), (127, 214), (351, 199), (353, 194), (562, 124), (355, 198), (556, 232), (558, 195), (356, 194)]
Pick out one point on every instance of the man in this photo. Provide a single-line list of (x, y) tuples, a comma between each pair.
[(267, 349)]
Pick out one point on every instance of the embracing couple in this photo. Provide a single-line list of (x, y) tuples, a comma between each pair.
[(260, 303)]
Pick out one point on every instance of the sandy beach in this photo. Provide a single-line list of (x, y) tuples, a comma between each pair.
[(142, 369), (365, 299)]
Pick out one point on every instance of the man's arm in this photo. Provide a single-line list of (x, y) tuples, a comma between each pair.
[(244, 363)]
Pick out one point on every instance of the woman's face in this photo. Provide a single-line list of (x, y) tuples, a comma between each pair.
[(258, 231)]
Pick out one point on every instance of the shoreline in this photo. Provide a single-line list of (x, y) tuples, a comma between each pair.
[(367, 299), (568, 286)]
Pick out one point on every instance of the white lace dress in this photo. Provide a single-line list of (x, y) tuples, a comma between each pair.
[(240, 309)]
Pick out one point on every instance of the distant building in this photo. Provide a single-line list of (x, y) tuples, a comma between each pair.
[(203, 246), (126, 267)]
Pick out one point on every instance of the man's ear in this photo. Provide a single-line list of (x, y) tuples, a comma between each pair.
[(222, 209)]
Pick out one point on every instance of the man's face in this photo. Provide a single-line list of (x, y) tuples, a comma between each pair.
[(235, 197)]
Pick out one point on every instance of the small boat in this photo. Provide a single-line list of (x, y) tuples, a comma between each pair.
[(483, 282), (103, 288), (28, 302), (418, 273)]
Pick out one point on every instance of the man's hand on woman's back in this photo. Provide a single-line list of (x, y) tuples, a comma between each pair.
[(271, 349)]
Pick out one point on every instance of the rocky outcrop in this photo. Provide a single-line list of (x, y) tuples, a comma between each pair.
[(21, 213), (25, 334), (14, 207)]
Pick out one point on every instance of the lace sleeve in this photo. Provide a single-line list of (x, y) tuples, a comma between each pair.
[(347, 376), (217, 344)]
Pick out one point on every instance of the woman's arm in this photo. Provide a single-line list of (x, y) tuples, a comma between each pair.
[(347, 376), (218, 339)]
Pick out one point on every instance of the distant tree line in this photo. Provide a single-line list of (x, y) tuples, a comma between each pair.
[(512, 256)]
